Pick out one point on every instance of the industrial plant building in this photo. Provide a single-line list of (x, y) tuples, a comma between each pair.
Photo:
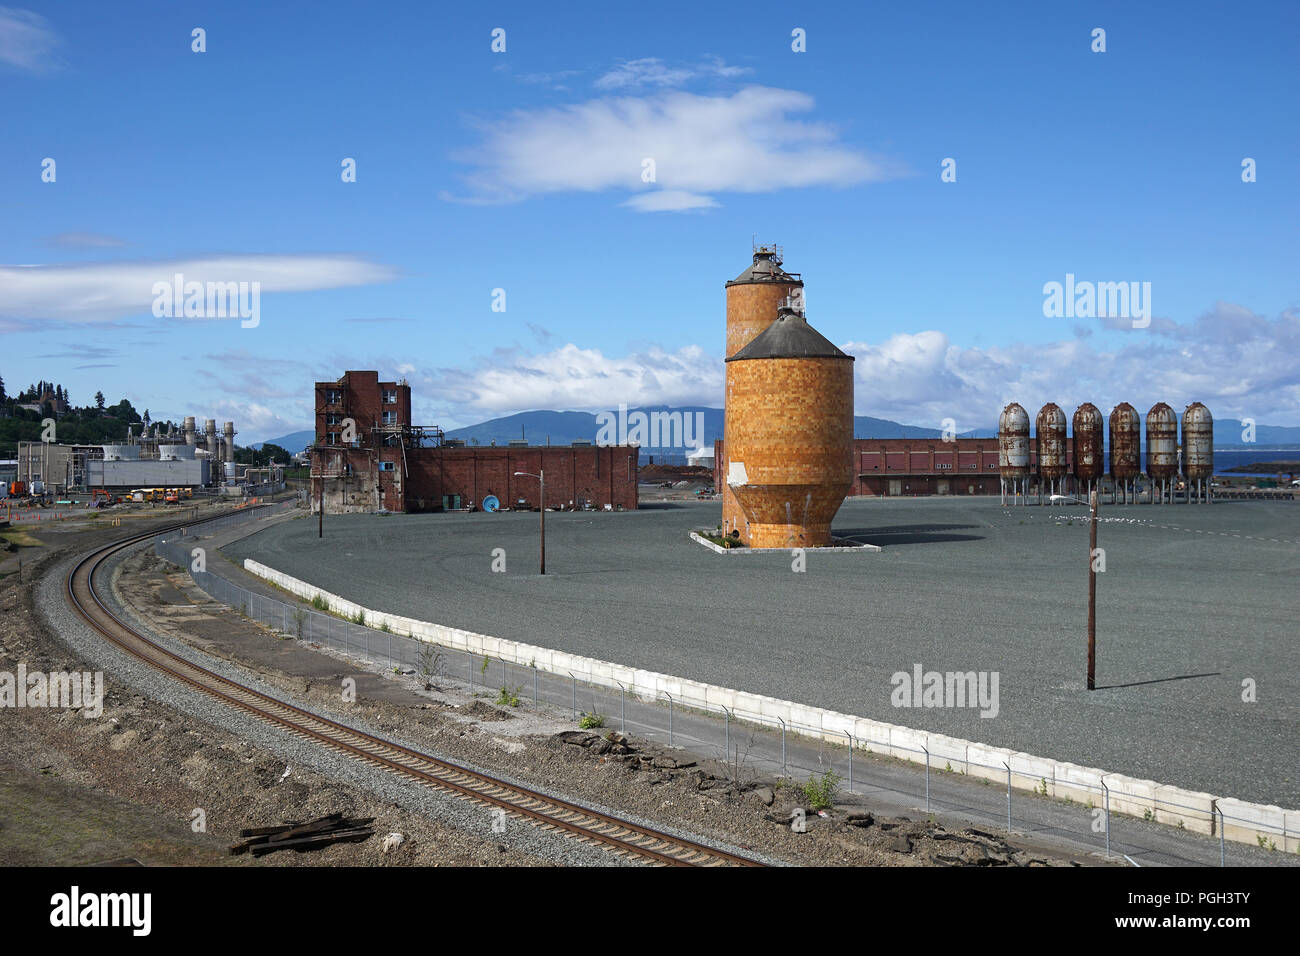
[(152, 459), (369, 457)]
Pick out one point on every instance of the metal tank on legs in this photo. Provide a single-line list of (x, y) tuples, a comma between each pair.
[(1049, 431), (1125, 449), (1198, 450), (1013, 449), (1089, 447), (1162, 449)]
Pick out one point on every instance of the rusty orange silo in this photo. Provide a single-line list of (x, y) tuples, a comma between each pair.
[(753, 299), (789, 432)]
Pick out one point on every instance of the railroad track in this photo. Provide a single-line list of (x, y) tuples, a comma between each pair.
[(620, 837)]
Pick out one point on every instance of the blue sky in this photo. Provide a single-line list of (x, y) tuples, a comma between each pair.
[(522, 171)]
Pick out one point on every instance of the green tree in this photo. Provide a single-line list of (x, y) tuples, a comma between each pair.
[(99, 401)]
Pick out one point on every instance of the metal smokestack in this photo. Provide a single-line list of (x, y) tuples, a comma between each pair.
[(230, 441), (189, 431), (210, 432)]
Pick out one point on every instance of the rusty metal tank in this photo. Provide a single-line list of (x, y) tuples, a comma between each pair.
[(1162, 442), (789, 433), (1013, 442), (754, 298), (1125, 442), (1089, 443), (1049, 428), (1198, 442)]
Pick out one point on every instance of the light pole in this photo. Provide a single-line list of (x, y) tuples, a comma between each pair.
[(1092, 582), (541, 480)]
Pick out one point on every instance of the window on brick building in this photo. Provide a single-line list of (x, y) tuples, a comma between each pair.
[(333, 396), (390, 396), (332, 438), (386, 466), (390, 418)]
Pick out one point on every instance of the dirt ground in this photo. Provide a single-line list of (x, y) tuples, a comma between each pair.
[(126, 786)]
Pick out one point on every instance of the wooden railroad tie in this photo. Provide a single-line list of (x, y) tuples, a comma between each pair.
[(297, 835)]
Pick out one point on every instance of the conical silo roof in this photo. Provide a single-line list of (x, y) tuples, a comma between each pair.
[(766, 268), (789, 336)]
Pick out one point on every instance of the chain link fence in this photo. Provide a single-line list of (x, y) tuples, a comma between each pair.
[(765, 744)]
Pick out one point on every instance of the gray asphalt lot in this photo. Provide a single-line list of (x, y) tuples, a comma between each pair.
[(1194, 600)]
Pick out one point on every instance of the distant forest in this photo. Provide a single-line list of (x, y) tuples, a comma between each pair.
[(96, 424)]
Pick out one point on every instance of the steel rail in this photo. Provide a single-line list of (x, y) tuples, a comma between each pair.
[(586, 825)]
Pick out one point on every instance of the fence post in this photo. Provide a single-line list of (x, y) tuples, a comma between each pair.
[(726, 739), (622, 715), (534, 685), (575, 694), (782, 745), (670, 717), (1008, 766), (927, 779), (849, 734), (1222, 850), (1106, 790)]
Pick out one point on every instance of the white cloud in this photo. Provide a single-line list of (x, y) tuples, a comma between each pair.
[(652, 71), (1238, 363), (572, 378), (104, 291), (744, 142), (648, 71), (27, 40), (669, 200)]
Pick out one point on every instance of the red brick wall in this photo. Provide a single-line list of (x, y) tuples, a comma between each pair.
[(601, 474), (916, 461)]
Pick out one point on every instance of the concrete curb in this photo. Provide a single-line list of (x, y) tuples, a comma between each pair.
[(863, 548), (1189, 809)]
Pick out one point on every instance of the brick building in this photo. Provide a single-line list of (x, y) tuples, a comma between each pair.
[(890, 467), (893, 467), (368, 457)]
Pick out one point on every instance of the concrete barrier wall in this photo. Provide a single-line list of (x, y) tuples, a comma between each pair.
[(1146, 799)]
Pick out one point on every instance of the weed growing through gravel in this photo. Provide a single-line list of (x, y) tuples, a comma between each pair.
[(509, 696), (319, 603), (820, 791), (589, 721)]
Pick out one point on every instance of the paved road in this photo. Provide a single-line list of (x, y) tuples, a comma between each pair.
[(1194, 601)]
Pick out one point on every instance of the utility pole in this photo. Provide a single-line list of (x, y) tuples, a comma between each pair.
[(1092, 592)]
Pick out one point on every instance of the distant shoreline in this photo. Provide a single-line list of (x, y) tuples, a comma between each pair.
[(1267, 467)]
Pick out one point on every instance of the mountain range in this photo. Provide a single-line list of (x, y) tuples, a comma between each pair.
[(562, 428)]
